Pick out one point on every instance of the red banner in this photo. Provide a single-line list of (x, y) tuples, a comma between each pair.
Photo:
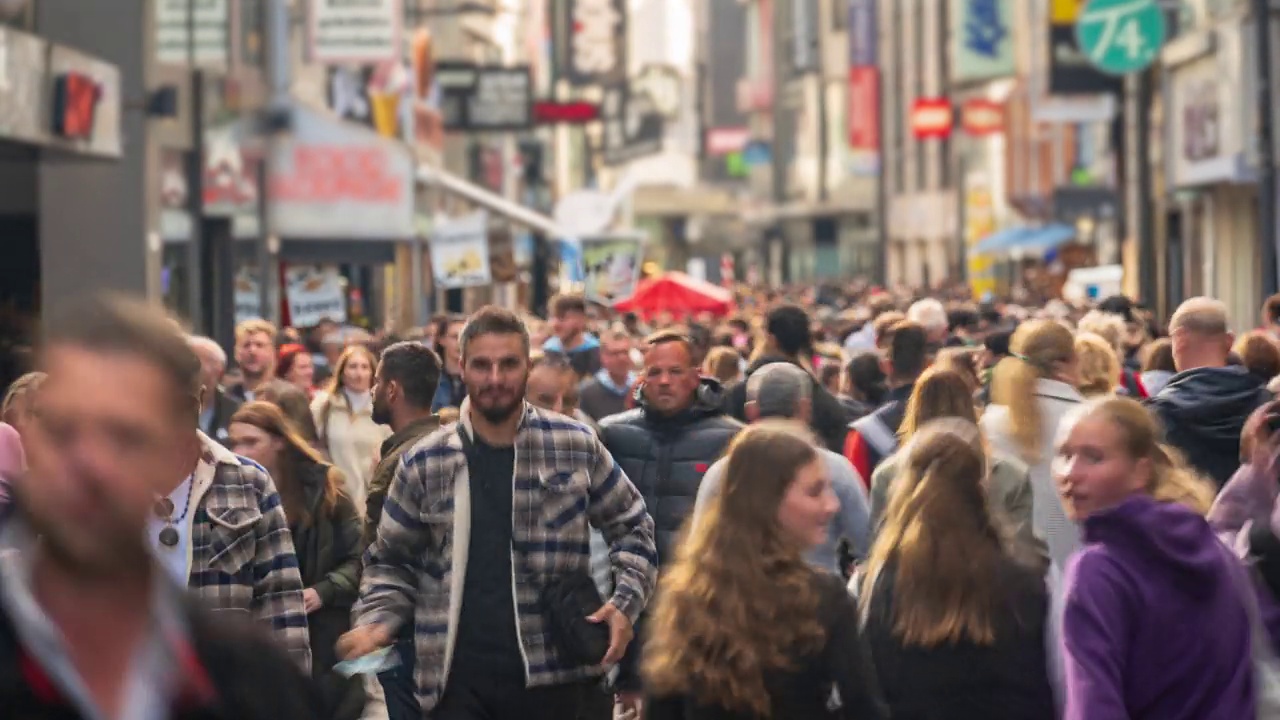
[(931, 118), (864, 108)]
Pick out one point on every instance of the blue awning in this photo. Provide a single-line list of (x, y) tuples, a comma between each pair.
[(998, 240), (1046, 238)]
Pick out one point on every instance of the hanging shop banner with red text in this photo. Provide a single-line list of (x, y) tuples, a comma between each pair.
[(336, 181)]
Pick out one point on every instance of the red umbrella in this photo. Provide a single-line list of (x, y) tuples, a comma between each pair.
[(676, 292)]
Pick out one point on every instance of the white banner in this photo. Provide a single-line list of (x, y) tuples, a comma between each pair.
[(173, 36), (355, 33), (611, 268), (247, 298), (315, 294), (460, 251)]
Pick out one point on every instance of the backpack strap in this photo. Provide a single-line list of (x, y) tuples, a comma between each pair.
[(877, 434)]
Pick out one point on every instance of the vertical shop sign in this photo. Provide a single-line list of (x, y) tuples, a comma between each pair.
[(355, 33), (982, 37), (591, 41), (460, 252), (863, 112)]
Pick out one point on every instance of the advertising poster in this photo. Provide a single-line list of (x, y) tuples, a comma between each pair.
[(247, 298), (610, 268), (315, 294), (460, 252)]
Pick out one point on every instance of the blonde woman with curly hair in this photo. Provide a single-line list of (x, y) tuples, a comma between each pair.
[(955, 624), (1151, 583), (1099, 366), (743, 627)]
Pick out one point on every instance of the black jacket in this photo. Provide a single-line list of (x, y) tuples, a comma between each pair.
[(328, 550), (964, 681), (804, 692), (829, 420), (224, 406), (251, 677), (1203, 413), (665, 457)]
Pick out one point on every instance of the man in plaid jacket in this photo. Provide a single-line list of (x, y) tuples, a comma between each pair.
[(481, 515)]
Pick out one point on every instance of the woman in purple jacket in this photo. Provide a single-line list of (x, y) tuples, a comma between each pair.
[(1155, 624)]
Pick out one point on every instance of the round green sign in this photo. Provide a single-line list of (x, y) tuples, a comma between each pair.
[(1121, 36)]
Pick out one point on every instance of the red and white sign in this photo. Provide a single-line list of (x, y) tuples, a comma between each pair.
[(982, 117), (722, 141), (864, 119), (931, 118)]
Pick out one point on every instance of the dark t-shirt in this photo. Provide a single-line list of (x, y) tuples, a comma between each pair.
[(487, 640)]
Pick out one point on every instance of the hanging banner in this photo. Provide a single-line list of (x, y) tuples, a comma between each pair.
[(334, 180), (315, 295), (355, 33), (980, 222), (862, 116), (982, 39), (460, 251), (611, 268), (247, 297), (591, 41)]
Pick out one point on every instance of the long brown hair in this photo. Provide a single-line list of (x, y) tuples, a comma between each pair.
[(294, 404), (939, 535), (1037, 349), (297, 453), (737, 604), (340, 368), (939, 393)]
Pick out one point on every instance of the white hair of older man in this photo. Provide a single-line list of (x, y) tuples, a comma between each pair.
[(778, 388), (200, 342), (930, 315)]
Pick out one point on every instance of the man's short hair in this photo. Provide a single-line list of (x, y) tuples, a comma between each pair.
[(207, 343), (561, 305), (1202, 316), (908, 350), (1118, 305), (415, 367), (109, 323), (254, 326), (1271, 309), (493, 320), (665, 337), (778, 388), (789, 326), (883, 325)]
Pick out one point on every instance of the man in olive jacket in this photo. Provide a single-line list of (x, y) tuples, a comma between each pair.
[(665, 445), (404, 387)]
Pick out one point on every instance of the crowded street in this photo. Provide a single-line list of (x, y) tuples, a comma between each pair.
[(639, 360)]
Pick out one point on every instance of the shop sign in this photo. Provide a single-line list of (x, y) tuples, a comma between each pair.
[(931, 118), (610, 268), (981, 117), (573, 112), (247, 296), (722, 141), (355, 33), (1070, 71), (477, 98), (460, 251), (1206, 120), (314, 294), (212, 21), (23, 74), (331, 180), (85, 103), (633, 127), (982, 32), (591, 41)]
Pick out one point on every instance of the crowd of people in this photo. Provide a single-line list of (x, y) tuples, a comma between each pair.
[(854, 504)]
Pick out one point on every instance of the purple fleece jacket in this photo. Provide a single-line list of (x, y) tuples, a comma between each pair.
[(1154, 627)]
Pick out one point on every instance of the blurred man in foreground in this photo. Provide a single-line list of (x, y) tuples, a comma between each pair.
[(91, 626)]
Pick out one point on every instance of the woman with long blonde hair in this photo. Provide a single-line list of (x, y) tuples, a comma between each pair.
[(1032, 390), (1152, 583), (343, 414), (956, 626), (743, 626), (326, 531), (1099, 366)]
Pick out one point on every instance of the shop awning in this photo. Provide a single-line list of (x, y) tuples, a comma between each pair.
[(999, 240), (1046, 238), (490, 201)]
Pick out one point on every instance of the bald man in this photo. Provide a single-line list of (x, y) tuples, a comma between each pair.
[(1204, 407)]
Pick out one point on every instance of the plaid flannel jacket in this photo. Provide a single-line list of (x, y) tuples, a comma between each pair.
[(565, 481), (242, 556)]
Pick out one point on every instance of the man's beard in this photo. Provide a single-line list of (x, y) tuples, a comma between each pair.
[(102, 558), (381, 413), (501, 414)]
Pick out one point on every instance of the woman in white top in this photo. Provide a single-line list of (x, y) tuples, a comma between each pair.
[(344, 420), (1032, 391)]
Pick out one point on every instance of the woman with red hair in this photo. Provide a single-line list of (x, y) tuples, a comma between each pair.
[(294, 365)]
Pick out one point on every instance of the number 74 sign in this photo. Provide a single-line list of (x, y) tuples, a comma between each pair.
[(1121, 36)]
